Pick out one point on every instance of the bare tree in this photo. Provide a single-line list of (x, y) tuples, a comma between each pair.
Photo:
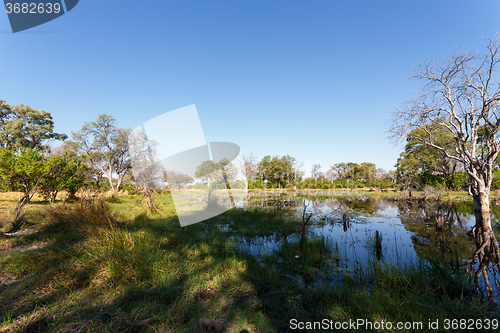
[(176, 179), (248, 165), (460, 96), (297, 169), (316, 171), (330, 174), (146, 166)]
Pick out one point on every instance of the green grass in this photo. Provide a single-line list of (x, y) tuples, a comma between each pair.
[(112, 267)]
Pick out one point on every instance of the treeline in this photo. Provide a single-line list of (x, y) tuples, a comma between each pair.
[(98, 157), (286, 171)]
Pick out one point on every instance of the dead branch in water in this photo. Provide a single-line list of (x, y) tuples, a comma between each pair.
[(305, 221)]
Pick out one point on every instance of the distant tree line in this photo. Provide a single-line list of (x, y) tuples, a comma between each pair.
[(98, 157), (286, 171)]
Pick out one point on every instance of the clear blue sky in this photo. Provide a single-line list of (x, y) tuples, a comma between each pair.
[(317, 80)]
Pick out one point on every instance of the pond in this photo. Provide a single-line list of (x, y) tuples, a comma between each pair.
[(371, 228)]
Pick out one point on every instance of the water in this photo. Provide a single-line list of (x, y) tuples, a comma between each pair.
[(378, 229)]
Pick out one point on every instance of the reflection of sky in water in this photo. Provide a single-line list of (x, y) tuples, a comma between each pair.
[(357, 243), (396, 241), (258, 245)]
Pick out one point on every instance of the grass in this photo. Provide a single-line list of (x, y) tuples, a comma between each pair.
[(107, 266)]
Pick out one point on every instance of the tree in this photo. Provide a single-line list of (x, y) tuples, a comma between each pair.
[(211, 174), (146, 167), (407, 172), (249, 166), (353, 173), (23, 167), (176, 179), (297, 169), (461, 96), (341, 170), (105, 146), (316, 171), (66, 171), (5, 112), (22, 126), (277, 169), (429, 165), (368, 171)]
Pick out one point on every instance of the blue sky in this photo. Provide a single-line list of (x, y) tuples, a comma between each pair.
[(317, 80)]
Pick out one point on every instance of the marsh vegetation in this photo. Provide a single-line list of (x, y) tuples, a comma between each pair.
[(106, 264)]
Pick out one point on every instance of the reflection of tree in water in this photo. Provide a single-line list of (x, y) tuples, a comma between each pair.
[(369, 205), (495, 218), (281, 201), (439, 231), (487, 255)]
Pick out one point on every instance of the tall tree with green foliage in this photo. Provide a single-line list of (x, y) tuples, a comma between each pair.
[(340, 170), (428, 165), (23, 126), (105, 146), (368, 171), (277, 169)]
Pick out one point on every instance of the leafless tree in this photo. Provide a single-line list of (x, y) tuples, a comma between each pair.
[(331, 174), (316, 171), (460, 96), (248, 165), (297, 169), (146, 167)]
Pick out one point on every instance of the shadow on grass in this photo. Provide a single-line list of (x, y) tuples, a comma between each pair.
[(148, 274)]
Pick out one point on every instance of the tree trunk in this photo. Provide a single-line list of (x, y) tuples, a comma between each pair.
[(480, 193), (481, 202), (53, 196), (111, 183), (110, 178), (119, 183)]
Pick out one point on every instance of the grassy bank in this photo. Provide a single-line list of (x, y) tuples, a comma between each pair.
[(386, 194), (108, 266)]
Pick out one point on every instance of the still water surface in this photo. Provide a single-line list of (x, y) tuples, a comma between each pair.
[(403, 231)]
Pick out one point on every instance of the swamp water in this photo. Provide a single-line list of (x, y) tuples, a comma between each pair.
[(371, 229)]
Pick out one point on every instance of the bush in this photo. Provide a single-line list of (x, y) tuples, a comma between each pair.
[(130, 188), (254, 184)]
